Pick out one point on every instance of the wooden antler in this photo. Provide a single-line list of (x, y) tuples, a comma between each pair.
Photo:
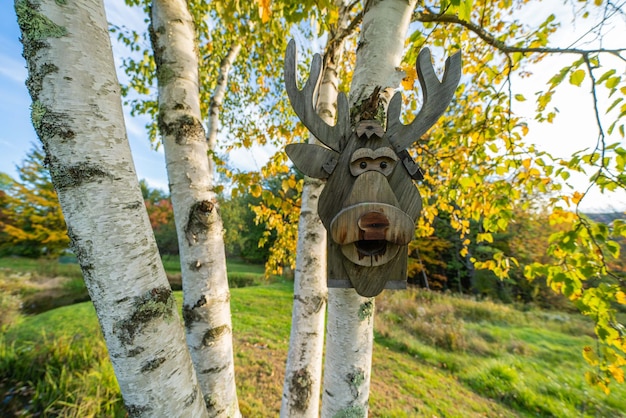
[(437, 97), (302, 101)]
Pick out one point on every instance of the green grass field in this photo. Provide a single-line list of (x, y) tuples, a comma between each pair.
[(434, 355)]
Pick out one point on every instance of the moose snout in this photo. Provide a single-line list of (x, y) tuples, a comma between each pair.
[(373, 226), (372, 221)]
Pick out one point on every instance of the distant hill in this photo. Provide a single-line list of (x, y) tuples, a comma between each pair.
[(606, 218)]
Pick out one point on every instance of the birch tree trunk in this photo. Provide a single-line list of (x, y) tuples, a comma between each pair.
[(351, 317), (217, 100), (77, 114), (206, 303), (303, 374)]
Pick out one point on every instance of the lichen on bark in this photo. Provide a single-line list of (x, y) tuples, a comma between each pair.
[(301, 386), (137, 410), (371, 108), (37, 112), (351, 412), (190, 313), (185, 129), (35, 78), (366, 310), (355, 380), (75, 175), (356, 411), (34, 25), (52, 124), (156, 303), (165, 74)]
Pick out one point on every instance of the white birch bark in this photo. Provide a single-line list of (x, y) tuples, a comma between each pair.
[(303, 374), (77, 114), (217, 99), (350, 326), (206, 300)]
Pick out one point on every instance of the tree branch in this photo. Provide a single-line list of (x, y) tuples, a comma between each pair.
[(343, 29), (218, 95), (490, 39)]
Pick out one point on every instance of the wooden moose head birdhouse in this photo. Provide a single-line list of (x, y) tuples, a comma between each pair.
[(369, 204)]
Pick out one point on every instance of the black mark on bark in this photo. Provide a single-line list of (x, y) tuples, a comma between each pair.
[(213, 370), (137, 410), (198, 221), (191, 398), (156, 303), (75, 175), (152, 365), (214, 334), (301, 383), (185, 129), (313, 304), (190, 314)]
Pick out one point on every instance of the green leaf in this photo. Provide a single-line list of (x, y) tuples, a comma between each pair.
[(577, 77), (520, 98), (612, 82), (605, 76), (615, 103), (466, 182), (613, 248), (465, 10)]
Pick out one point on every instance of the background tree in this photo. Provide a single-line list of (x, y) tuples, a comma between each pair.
[(32, 222), (161, 214)]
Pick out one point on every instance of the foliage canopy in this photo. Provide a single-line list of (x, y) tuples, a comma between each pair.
[(480, 168)]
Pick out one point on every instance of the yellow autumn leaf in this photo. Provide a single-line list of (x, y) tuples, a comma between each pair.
[(408, 82), (590, 356), (533, 172), (524, 129), (255, 190), (605, 388), (617, 373), (526, 163), (264, 10), (576, 197), (620, 297)]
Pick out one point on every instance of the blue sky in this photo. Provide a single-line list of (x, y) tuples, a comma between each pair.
[(573, 130), (17, 134)]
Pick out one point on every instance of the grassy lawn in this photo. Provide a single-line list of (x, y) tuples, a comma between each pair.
[(434, 355), (39, 285), (68, 267)]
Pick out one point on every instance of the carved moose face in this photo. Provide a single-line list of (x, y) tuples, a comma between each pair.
[(369, 204)]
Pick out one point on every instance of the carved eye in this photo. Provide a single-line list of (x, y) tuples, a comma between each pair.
[(363, 165), (383, 164)]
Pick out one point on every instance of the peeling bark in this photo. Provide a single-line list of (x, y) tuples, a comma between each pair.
[(206, 300), (77, 113)]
